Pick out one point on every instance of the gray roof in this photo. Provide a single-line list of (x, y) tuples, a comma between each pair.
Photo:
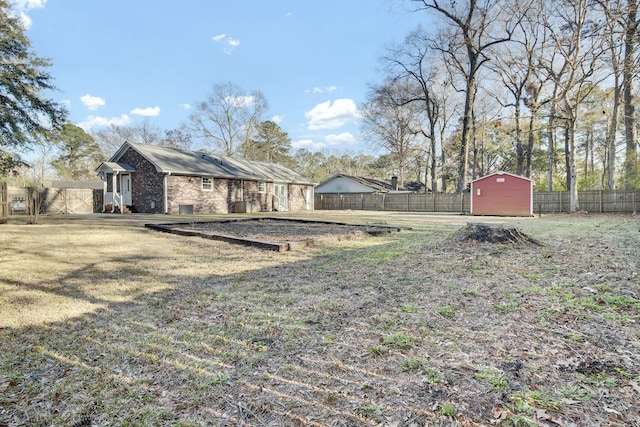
[(184, 162), (111, 167), (374, 184)]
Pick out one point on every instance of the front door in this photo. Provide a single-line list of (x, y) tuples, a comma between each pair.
[(125, 188), (281, 196)]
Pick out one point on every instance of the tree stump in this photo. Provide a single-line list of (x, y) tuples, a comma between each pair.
[(493, 233)]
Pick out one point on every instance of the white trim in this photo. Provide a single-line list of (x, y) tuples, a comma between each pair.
[(202, 178), (502, 173)]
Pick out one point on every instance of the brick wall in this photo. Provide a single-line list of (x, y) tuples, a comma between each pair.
[(147, 186), (265, 200), (297, 196), (187, 190)]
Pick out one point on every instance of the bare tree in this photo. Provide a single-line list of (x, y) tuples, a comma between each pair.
[(615, 28), (516, 68), (392, 123), (478, 26), (577, 54), (227, 118), (414, 61)]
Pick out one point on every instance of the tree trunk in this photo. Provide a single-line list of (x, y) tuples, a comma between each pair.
[(434, 183), (611, 137), (519, 145), (631, 155), (573, 187), (528, 165), (466, 124), (567, 155), (550, 152)]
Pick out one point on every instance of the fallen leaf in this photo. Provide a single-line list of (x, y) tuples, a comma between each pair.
[(500, 413), (541, 414)]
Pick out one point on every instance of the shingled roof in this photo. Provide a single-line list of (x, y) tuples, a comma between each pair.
[(185, 162)]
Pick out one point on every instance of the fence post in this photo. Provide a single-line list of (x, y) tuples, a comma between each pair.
[(4, 200), (560, 194), (600, 195)]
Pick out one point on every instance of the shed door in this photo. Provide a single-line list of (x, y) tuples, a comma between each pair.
[(126, 190), (280, 202)]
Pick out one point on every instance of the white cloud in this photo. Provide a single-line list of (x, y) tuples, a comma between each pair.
[(327, 116), (146, 112), (20, 8), (229, 43), (344, 138), (92, 102), (92, 122), (321, 90), (185, 106), (66, 103), (308, 144), (331, 141), (277, 119)]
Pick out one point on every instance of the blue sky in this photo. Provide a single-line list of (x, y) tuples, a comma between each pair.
[(124, 61)]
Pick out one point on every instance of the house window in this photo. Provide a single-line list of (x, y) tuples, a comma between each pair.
[(262, 187), (207, 184)]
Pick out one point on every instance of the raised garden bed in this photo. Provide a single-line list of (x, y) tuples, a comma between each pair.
[(274, 234)]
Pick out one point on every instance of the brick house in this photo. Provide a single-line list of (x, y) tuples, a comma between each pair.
[(152, 179)]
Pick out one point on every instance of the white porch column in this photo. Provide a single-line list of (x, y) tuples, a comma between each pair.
[(104, 194), (114, 191)]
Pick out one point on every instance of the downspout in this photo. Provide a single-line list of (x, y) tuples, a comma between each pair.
[(165, 185)]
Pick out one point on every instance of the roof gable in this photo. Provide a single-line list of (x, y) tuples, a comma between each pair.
[(499, 173), (185, 162), (358, 184)]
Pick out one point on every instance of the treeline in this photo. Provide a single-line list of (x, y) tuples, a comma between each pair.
[(542, 89)]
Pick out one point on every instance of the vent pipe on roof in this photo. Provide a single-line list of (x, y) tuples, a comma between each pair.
[(394, 183)]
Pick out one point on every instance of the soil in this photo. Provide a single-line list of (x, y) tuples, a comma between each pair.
[(280, 231)]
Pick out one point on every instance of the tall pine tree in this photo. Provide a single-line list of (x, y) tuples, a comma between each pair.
[(24, 108)]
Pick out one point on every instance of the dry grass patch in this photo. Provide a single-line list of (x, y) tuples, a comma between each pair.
[(408, 329)]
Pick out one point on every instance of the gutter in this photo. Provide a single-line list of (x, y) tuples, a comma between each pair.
[(165, 191)]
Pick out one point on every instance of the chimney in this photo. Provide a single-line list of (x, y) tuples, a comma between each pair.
[(394, 183)]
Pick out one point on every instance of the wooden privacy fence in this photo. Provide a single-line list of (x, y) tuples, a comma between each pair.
[(25, 200), (400, 202), (4, 201), (619, 201)]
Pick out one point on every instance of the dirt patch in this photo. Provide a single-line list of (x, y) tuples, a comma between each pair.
[(493, 233), (275, 234)]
